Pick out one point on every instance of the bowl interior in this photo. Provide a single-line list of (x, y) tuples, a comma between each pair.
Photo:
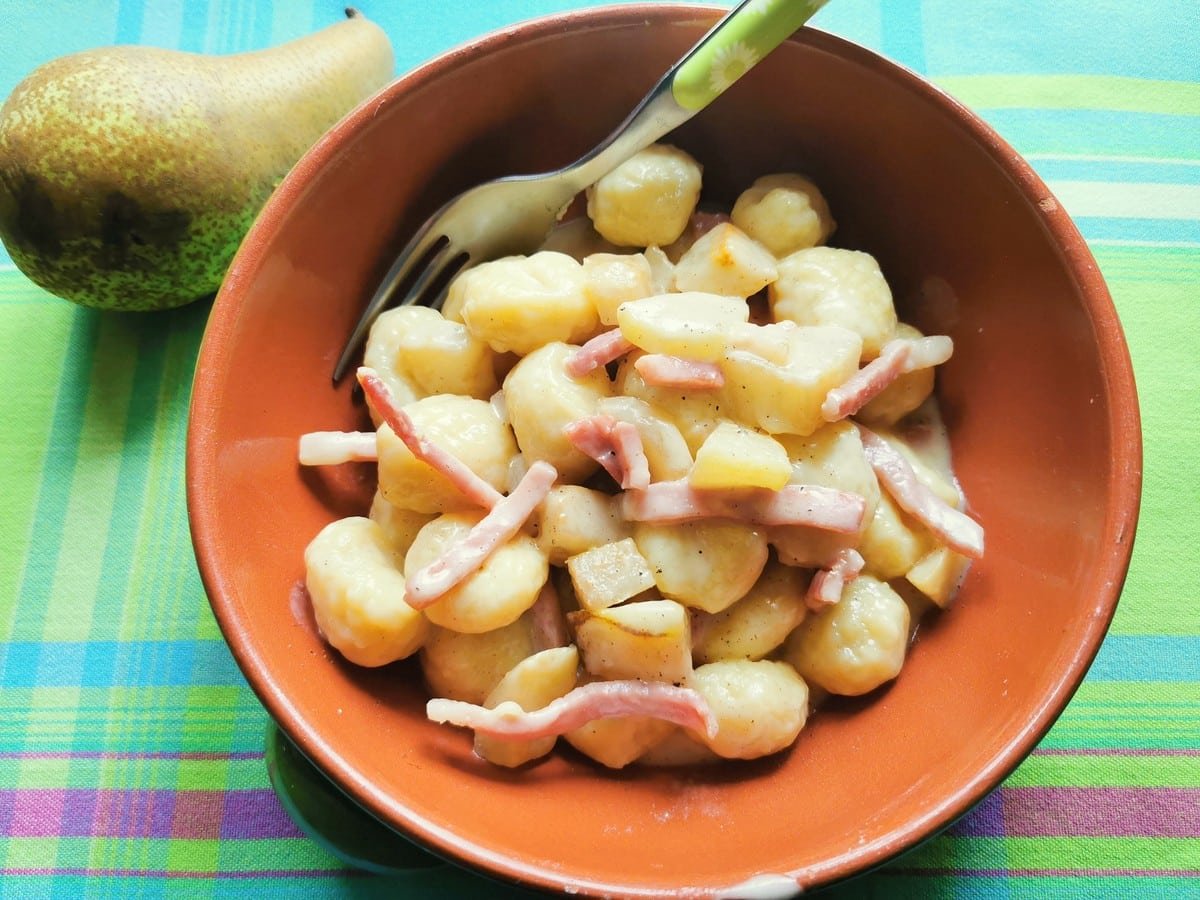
[(1038, 397)]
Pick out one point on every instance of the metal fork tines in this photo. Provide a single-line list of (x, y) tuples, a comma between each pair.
[(514, 215)]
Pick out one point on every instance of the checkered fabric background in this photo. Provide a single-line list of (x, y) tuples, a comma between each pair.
[(130, 746)]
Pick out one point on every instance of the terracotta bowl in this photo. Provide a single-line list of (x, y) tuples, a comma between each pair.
[(1039, 398)]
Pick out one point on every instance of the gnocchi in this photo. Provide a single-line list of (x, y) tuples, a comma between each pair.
[(656, 488)]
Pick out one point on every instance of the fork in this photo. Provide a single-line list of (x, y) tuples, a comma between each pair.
[(515, 214)]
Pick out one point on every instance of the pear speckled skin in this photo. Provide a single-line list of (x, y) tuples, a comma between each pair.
[(129, 175)]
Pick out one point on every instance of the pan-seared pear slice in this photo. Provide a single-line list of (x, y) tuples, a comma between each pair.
[(608, 575), (691, 325), (726, 261), (647, 639), (532, 683), (734, 456)]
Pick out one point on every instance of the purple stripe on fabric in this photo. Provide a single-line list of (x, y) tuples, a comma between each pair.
[(33, 872), (257, 814), (1119, 751), (104, 754), (1101, 812), (985, 820), (87, 812), (1086, 872)]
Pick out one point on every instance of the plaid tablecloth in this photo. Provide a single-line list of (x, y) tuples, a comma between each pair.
[(131, 749)]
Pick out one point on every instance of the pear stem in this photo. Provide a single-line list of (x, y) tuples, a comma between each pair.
[(352, 13)]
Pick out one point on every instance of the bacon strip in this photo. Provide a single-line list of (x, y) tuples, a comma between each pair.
[(549, 623), (592, 436), (330, 448), (472, 486), (793, 504), (504, 520), (825, 589), (599, 351), (897, 358), (661, 370), (586, 703), (955, 529), (635, 467)]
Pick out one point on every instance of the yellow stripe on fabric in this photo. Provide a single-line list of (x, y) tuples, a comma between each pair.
[(1108, 92), (69, 607), (155, 488), (1160, 577), (1114, 770), (35, 337), (1128, 200)]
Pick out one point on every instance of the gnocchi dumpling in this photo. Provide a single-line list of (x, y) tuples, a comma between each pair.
[(760, 706), (786, 398), (573, 519), (468, 667), (832, 456), (830, 286), (466, 428), (542, 399), (506, 584), (399, 525), (902, 396), (646, 200), (707, 564), (610, 279), (756, 624), (353, 576), (428, 354), (520, 303), (533, 683), (855, 645), (617, 742), (785, 212), (695, 414)]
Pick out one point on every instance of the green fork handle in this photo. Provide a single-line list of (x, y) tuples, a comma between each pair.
[(752, 30), (746, 34)]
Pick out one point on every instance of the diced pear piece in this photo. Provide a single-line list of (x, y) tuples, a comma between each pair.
[(610, 279), (534, 682), (573, 519), (647, 639), (734, 456), (938, 574), (619, 741), (787, 398), (611, 574), (692, 325), (893, 542), (726, 261)]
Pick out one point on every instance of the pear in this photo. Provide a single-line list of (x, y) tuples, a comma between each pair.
[(129, 175)]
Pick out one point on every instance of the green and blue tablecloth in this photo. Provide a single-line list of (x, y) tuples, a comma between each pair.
[(131, 749)]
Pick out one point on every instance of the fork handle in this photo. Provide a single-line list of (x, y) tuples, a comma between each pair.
[(732, 47)]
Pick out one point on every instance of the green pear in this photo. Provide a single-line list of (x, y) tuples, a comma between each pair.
[(129, 175)]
